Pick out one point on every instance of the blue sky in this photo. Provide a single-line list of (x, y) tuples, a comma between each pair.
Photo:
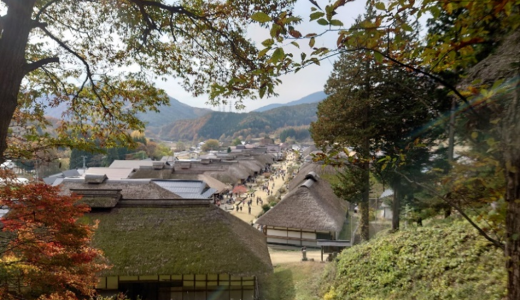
[(294, 86)]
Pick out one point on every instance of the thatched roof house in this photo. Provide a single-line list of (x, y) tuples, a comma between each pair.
[(179, 240), (163, 248), (308, 212)]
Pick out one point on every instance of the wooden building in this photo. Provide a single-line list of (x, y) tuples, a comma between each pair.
[(175, 249), (309, 212)]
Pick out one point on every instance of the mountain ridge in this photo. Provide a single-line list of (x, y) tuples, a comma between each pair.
[(312, 98)]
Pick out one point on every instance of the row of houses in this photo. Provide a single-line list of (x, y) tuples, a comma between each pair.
[(161, 233), (165, 239)]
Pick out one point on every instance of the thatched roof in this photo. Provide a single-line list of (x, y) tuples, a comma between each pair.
[(179, 240), (130, 189), (311, 206), (321, 170), (167, 174), (252, 165), (214, 183), (265, 158), (232, 175)]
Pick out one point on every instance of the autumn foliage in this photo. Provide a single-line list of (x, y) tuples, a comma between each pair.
[(45, 250)]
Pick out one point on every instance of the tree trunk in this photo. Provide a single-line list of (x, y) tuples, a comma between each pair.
[(364, 206), (511, 142), (14, 37), (396, 205)]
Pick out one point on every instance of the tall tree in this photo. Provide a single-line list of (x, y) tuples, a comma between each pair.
[(99, 60)]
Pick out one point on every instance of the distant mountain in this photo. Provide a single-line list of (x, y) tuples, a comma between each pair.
[(175, 111), (215, 124), (167, 114), (312, 98)]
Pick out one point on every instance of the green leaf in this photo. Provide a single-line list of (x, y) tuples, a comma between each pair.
[(268, 43), (262, 92), (316, 15), (263, 52), (295, 44), (261, 17), (474, 135), (278, 54), (380, 6), (336, 23), (311, 42), (378, 56), (275, 30), (322, 21), (406, 27)]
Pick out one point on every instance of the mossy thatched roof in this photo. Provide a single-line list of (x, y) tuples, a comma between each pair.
[(310, 167), (130, 189), (311, 206), (179, 240)]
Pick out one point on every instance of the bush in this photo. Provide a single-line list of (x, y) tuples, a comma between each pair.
[(443, 261)]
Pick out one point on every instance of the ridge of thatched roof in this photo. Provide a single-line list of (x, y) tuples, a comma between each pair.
[(306, 169), (130, 188), (149, 173), (232, 175), (179, 240), (214, 183), (265, 158), (311, 206), (252, 165)]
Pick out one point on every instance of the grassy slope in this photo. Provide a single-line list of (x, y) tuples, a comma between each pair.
[(293, 281), (439, 261)]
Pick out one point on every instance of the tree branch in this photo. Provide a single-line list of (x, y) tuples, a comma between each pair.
[(42, 10), (87, 68), (458, 209), (170, 8), (29, 67)]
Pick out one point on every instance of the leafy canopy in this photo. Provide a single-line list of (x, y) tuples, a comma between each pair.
[(99, 59)]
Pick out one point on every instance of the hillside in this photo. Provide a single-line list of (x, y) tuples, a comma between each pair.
[(446, 260), (167, 113), (175, 111), (215, 124), (312, 98)]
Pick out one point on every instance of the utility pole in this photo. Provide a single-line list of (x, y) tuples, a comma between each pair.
[(84, 160)]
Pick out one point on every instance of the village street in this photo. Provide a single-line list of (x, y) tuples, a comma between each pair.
[(279, 254), (244, 215)]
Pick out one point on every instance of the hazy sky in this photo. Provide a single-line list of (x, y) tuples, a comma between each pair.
[(294, 86)]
